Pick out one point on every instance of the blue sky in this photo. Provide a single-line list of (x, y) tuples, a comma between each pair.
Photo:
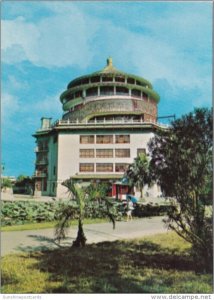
[(46, 44)]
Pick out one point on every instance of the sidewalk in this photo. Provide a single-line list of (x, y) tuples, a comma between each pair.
[(43, 239)]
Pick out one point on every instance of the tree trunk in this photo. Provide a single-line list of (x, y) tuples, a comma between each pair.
[(81, 239), (141, 192)]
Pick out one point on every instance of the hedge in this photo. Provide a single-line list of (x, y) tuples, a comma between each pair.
[(21, 212)]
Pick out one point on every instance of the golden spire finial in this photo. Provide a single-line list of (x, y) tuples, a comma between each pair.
[(109, 62)]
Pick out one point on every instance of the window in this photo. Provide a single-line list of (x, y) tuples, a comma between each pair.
[(95, 79), (87, 167), (70, 97), (122, 152), (145, 96), (136, 93), (104, 153), (104, 167), (119, 79), (86, 139), (104, 139), (122, 167), (54, 170), (84, 81), (106, 90), (86, 153), (91, 92), (122, 139), (140, 151), (107, 78), (130, 80), (120, 90), (78, 94)]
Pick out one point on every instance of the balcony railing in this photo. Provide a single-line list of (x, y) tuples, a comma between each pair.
[(42, 162), (40, 174), (39, 149), (105, 121), (67, 122)]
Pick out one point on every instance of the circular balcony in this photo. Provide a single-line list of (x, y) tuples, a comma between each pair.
[(108, 91)]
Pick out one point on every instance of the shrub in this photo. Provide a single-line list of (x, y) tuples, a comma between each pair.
[(149, 210), (21, 212)]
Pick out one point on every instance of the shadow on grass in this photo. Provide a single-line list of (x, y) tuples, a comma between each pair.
[(114, 267)]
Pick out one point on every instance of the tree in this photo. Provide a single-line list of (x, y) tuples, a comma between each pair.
[(6, 183), (138, 173), (24, 185), (182, 164), (82, 200)]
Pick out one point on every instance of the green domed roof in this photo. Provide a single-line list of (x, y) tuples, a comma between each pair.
[(110, 69)]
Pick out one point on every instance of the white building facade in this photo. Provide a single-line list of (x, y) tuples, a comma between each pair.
[(109, 118)]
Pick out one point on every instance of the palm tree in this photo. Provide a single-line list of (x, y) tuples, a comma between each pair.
[(83, 200), (98, 199), (138, 173), (75, 206)]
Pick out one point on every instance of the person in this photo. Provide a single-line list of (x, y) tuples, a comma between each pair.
[(129, 210)]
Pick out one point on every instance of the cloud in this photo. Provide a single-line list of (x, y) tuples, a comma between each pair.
[(10, 106), (165, 46), (175, 45), (54, 41), (19, 39), (48, 107)]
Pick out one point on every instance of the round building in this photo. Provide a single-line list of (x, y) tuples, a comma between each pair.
[(108, 119), (109, 95)]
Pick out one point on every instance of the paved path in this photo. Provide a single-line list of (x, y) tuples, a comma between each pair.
[(43, 239)]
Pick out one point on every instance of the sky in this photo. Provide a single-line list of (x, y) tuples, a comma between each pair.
[(46, 44)]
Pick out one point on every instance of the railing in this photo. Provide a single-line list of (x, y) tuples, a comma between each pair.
[(106, 121), (67, 122), (103, 96), (42, 162), (39, 149), (39, 174)]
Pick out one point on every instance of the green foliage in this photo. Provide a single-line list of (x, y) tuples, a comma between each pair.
[(23, 212), (155, 264), (76, 206), (23, 185), (84, 202), (6, 183), (20, 212), (138, 173), (182, 163), (149, 210), (21, 178)]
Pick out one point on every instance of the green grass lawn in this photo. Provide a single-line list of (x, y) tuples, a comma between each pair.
[(43, 225), (156, 264)]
